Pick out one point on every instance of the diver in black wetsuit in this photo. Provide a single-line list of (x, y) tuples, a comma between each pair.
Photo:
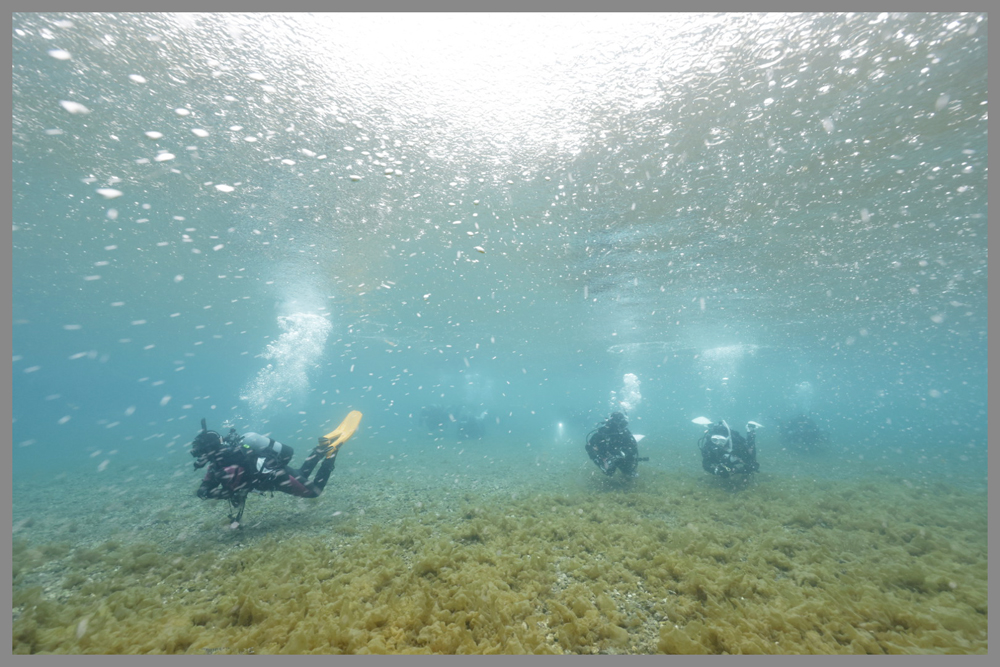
[(801, 432), (470, 425), (434, 417), (724, 452), (239, 464), (612, 446)]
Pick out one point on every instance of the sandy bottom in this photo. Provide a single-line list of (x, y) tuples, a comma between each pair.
[(485, 548)]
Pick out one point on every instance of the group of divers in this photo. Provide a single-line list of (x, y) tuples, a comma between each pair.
[(239, 465)]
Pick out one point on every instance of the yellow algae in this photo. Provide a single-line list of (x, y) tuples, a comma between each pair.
[(673, 565)]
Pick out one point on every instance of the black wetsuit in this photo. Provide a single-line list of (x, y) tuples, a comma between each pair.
[(257, 463), (613, 447), (737, 457)]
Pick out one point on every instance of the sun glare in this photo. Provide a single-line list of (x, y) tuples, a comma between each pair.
[(508, 77)]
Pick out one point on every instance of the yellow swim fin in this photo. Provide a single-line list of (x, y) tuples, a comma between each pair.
[(338, 436)]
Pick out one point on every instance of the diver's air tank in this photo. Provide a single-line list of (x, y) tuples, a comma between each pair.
[(279, 454)]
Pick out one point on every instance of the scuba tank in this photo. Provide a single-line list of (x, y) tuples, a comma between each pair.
[(271, 454)]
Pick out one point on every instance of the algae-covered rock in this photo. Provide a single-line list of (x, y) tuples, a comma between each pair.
[(676, 641)]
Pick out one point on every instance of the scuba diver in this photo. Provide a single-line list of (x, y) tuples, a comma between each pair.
[(801, 432), (238, 464), (470, 425), (433, 418), (724, 452), (613, 447)]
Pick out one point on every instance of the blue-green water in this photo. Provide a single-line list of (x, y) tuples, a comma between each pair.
[(275, 219), (270, 220)]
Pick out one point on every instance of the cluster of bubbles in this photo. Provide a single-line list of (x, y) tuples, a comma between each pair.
[(629, 397), (291, 357)]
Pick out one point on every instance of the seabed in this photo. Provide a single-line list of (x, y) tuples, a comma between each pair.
[(452, 548)]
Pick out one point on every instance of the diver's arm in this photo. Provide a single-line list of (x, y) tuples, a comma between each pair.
[(208, 485)]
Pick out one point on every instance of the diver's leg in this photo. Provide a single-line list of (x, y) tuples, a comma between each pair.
[(323, 474), (310, 463), (628, 465), (288, 482), (298, 484)]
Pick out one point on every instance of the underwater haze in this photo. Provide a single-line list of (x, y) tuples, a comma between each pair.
[(521, 222)]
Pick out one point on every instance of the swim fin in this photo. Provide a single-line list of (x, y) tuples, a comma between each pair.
[(338, 436)]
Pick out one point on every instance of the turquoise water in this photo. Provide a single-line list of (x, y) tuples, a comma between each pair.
[(271, 220)]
